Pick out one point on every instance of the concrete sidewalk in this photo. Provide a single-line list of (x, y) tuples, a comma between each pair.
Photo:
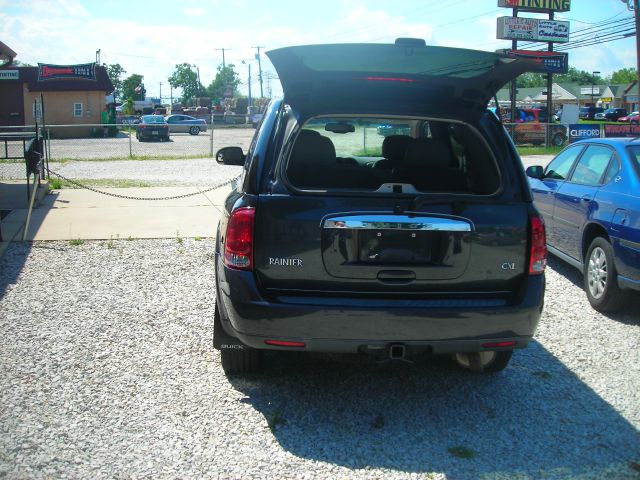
[(83, 214)]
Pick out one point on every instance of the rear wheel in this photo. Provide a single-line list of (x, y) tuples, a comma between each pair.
[(484, 362), (557, 140), (194, 130), (235, 358), (600, 277)]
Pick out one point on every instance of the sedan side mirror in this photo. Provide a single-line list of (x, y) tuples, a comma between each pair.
[(230, 156), (535, 172)]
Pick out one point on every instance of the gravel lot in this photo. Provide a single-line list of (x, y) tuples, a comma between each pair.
[(108, 371)]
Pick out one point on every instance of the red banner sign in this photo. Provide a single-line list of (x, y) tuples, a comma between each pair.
[(86, 71)]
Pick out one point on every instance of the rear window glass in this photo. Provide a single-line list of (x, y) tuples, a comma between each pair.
[(391, 155), (635, 158), (153, 119)]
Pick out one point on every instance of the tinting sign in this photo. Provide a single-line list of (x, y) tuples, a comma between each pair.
[(537, 5), (85, 71)]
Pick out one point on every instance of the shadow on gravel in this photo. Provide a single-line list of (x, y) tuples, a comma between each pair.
[(627, 315), (535, 419), (12, 264)]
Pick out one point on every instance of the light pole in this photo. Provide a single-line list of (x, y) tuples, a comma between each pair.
[(593, 81)]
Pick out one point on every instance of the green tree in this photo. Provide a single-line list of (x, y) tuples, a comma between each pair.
[(581, 77), (185, 77), (624, 75), (133, 87), (128, 108), (115, 72), (226, 79), (530, 80)]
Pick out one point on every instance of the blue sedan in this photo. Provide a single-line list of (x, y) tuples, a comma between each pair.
[(589, 196)]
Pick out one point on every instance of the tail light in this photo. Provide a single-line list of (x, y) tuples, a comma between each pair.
[(538, 254), (238, 246)]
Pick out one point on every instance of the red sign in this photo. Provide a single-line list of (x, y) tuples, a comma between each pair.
[(85, 71), (622, 130)]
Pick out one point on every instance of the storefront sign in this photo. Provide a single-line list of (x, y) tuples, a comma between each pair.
[(9, 74), (606, 99), (580, 131), (85, 71), (537, 5), (547, 62), (632, 98), (622, 130), (589, 90), (534, 29)]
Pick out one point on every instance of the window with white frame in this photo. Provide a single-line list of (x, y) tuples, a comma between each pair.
[(77, 109)]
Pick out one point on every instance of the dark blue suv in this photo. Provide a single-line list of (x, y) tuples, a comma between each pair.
[(589, 196), (341, 238)]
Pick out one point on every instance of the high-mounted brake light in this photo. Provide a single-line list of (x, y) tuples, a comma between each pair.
[(538, 254), (390, 79), (238, 245)]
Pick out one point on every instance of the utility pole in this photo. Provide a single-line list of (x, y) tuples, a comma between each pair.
[(514, 46), (98, 56), (224, 65), (636, 13), (550, 96), (259, 70), (161, 93)]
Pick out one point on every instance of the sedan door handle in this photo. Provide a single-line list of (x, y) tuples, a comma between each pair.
[(586, 198)]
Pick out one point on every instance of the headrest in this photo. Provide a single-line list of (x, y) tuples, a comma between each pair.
[(427, 152), (312, 149), (395, 146)]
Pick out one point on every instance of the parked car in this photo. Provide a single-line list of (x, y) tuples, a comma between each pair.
[(186, 124), (589, 196), (152, 126), (530, 128), (613, 114), (599, 116), (631, 118), (394, 129), (433, 247), (589, 113)]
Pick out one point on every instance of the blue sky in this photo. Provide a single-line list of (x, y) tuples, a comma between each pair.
[(150, 37)]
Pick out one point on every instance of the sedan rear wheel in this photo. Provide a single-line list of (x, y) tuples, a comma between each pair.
[(194, 130), (601, 278)]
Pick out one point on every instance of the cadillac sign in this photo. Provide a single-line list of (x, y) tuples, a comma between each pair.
[(532, 29), (85, 71), (537, 5), (547, 62)]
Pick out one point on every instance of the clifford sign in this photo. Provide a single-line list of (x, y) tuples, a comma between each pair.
[(85, 71), (537, 5)]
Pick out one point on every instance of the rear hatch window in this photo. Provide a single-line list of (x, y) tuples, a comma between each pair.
[(391, 155)]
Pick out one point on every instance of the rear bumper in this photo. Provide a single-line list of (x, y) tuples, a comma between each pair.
[(351, 325)]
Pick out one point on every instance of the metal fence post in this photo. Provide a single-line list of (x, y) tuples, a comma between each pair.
[(130, 152), (211, 138)]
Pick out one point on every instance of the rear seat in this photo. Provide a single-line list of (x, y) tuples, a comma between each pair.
[(313, 165), (426, 167)]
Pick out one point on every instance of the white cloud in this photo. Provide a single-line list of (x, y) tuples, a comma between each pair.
[(194, 12)]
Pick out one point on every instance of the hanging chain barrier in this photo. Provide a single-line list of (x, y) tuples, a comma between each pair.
[(132, 197)]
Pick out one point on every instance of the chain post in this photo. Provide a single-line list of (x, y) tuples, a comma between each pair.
[(211, 137), (130, 154)]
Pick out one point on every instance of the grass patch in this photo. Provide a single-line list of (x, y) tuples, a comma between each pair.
[(197, 239), (462, 452), (369, 152), (99, 183), (132, 157), (76, 242), (539, 150), (178, 237)]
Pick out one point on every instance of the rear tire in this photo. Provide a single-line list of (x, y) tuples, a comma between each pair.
[(235, 360), (557, 140), (491, 361), (601, 277), (194, 130)]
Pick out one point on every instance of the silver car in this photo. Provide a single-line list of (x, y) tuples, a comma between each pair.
[(185, 124)]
